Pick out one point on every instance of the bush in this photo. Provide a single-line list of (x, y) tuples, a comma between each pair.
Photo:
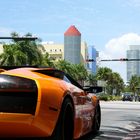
[(114, 98), (103, 97), (106, 97)]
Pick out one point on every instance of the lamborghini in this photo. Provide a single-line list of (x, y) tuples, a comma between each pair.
[(46, 103)]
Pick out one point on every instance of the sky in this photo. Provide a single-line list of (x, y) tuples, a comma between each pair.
[(110, 25)]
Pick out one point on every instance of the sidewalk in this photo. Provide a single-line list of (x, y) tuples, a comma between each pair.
[(134, 135)]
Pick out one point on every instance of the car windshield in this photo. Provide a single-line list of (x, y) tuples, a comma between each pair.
[(127, 94)]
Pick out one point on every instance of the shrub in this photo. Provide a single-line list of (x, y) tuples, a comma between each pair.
[(103, 97)]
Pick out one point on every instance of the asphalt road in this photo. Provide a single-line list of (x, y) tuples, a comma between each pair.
[(118, 120)]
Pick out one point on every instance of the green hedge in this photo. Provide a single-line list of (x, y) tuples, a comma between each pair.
[(103, 97), (106, 97)]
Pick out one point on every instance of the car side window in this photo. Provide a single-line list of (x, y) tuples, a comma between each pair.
[(66, 79), (72, 81)]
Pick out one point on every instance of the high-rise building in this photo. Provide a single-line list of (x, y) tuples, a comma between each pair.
[(84, 53), (92, 54), (133, 67), (72, 45)]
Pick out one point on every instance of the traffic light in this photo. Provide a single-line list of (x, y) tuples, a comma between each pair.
[(121, 59), (124, 59), (90, 60)]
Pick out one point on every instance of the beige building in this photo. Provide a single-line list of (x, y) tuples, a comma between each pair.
[(1, 48), (56, 51)]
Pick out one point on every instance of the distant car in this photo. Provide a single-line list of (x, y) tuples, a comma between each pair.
[(127, 97), (46, 102), (138, 98)]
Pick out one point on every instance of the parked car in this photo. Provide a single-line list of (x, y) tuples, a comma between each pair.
[(127, 97), (46, 102)]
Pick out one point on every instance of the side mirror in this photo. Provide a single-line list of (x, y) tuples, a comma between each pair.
[(93, 89)]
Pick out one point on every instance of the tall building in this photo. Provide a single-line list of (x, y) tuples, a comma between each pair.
[(133, 67), (84, 54), (72, 45), (92, 54)]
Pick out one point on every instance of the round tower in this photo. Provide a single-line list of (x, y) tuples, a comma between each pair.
[(72, 45)]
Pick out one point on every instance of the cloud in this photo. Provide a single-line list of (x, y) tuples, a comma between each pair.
[(133, 3), (116, 49)]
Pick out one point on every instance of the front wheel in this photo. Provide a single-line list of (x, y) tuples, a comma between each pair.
[(96, 120), (65, 125)]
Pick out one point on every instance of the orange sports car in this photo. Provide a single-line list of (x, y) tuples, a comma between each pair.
[(46, 103)]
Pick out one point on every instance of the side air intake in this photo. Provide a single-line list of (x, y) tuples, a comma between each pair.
[(17, 94)]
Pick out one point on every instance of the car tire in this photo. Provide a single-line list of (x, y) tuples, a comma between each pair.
[(96, 120), (65, 126)]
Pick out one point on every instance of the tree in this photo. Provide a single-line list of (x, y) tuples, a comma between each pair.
[(47, 61), (92, 79), (31, 49), (134, 83), (77, 71), (114, 81), (22, 52), (65, 66), (81, 73), (12, 56), (103, 73)]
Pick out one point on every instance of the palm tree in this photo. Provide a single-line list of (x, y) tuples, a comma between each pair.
[(47, 61), (134, 83), (30, 48), (12, 56), (113, 80), (22, 52), (77, 71), (92, 79), (115, 83), (65, 66), (80, 73), (103, 73)]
